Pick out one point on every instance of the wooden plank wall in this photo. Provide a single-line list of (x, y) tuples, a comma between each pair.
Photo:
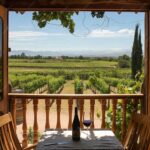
[(4, 15)]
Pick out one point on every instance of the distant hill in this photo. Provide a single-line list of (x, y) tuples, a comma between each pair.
[(87, 53)]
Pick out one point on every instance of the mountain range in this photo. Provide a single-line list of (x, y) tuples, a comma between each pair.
[(87, 53)]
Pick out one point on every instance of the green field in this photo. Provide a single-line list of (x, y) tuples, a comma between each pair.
[(70, 66), (52, 63)]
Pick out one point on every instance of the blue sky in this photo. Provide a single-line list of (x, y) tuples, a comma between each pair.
[(112, 34)]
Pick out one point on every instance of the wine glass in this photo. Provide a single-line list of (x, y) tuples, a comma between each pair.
[(87, 122)]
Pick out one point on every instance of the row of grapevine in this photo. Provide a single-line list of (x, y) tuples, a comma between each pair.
[(71, 74), (103, 84), (78, 86), (111, 81), (54, 84), (18, 81), (34, 85), (129, 86), (98, 84), (122, 85), (30, 83)]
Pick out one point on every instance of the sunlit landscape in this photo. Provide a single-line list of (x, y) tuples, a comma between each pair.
[(96, 59)]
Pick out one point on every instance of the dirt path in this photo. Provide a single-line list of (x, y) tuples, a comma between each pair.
[(68, 89)]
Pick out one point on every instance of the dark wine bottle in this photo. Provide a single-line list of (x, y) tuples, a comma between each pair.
[(76, 127)]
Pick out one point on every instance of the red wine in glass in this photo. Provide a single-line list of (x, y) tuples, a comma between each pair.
[(87, 123)]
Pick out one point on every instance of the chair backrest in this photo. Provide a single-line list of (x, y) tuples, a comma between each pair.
[(138, 134), (8, 137)]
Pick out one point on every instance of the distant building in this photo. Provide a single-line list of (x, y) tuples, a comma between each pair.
[(59, 57)]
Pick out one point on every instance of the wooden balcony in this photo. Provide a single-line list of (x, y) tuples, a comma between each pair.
[(124, 99)]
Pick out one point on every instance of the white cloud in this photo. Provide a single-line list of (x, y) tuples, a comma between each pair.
[(20, 34), (99, 33), (29, 35)]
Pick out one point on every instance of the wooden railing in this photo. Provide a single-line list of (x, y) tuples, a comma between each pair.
[(48, 98)]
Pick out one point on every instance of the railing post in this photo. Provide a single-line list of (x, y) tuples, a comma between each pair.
[(135, 104), (35, 126), (81, 101), (114, 106), (70, 103), (14, 112), (24, 126), (58, 103), (124, 104), (103, 108), (47, 109), (92, 103)]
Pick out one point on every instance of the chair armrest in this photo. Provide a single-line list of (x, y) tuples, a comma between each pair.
[(30, 147), (125, 148)]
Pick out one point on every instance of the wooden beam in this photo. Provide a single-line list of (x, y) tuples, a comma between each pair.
[(49, 2), (92, 7), (147, 62), (72, 5), (76, 96)]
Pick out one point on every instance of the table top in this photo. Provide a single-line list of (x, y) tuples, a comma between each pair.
[(91, 139)]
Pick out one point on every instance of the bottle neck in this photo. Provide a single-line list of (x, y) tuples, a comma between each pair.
[(76, 111)]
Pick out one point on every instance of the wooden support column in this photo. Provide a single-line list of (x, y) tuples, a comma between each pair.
[(58, 103), (47, 109), (70, 103), (35, 126), (14, 112), (4, 102), (146, 104), (103, 108), (92, 104), (114, 107), (123, 128), (24, 126)]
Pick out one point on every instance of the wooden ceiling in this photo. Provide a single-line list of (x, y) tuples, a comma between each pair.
[(72, 5)]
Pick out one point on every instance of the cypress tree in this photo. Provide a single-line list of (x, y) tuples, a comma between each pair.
[(136, 61), (140, 53), (134, 52)]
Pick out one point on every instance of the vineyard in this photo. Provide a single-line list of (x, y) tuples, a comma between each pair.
[(100, 76), (32, 82)]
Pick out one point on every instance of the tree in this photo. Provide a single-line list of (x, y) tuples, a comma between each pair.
[(65, 18), (23, 55), (136, 62), (38, 57), (81, 57), (124, 61)]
